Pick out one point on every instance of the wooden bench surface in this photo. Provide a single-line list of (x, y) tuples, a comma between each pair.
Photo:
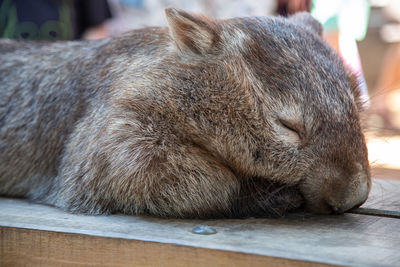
[(33, 234)]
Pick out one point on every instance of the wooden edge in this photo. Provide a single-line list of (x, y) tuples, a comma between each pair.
[(27, 247), (376, 212)]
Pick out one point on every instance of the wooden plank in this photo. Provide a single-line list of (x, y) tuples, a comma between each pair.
[(349, 239), (385, 195), (25, 247)]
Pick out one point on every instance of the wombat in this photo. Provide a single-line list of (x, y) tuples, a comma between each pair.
[(210, 118)]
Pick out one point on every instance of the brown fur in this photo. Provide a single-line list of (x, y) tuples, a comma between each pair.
[(234, 118)]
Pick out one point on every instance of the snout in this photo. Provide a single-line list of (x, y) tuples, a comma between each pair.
[(351, 197), (337, 194)]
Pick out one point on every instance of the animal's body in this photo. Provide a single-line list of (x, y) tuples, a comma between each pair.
[(240, 117)]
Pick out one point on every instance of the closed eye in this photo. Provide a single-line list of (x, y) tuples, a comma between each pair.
[(292, 126)]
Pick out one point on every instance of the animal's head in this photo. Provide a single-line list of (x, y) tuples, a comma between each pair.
[(270, 99)]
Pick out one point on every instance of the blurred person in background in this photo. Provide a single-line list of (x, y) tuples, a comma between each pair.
[(133, 14), (53, 19), (386, 98), (289, 7)]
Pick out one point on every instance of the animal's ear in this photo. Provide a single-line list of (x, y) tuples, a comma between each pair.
[(305, 20), (193, 33)]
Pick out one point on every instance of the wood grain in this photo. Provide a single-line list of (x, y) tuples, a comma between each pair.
[(25, 247), (385, 195)]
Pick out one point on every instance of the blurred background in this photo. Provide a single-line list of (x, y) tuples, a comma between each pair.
[(366, 33)]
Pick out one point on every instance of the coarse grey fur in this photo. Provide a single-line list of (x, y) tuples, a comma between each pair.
[(209, 118)]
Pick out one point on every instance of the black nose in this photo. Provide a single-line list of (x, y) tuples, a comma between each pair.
[(337, 210)]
